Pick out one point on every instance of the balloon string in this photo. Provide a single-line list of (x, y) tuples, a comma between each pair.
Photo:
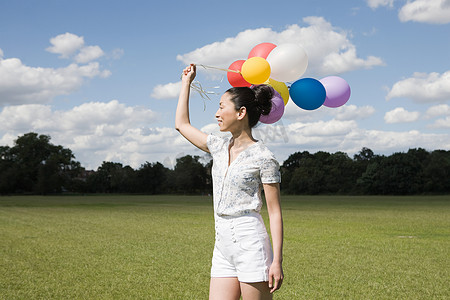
[(221, 69), (197, 86)]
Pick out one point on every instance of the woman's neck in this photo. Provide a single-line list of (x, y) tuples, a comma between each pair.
[(243, 138)]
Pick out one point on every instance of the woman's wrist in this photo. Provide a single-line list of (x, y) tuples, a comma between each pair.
[(185, 83), (278, 260)]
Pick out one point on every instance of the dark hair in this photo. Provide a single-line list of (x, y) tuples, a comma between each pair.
[(257, 100)]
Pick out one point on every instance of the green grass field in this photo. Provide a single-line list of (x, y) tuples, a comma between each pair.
[(160, 247)]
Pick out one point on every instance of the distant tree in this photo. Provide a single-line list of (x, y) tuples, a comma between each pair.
[(340, 174), (190, 175), (437, 172), (397, 174), (111, 177), (364, 163), (309, 177), (8, 171), (288, 169), (365, 154), (151, 178), (322, 172), (33, 164)]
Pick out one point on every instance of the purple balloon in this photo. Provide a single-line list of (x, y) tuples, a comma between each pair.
[(337, 89), (277, 110)]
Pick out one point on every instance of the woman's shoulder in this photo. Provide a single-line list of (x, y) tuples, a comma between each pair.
[(216, 143), (263, 153), (263, 150)]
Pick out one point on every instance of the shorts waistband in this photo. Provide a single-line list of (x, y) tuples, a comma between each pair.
[(226, 217)]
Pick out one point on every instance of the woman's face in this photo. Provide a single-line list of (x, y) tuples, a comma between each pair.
[(227, 115)]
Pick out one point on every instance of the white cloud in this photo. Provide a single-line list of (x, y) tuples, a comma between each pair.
[(443, 123), (20, 84), (333, 136), (427, 11), (166, 91), (94, 131), (376, 3), (66, 44), (329, 49), (71, 45), (389, 141), (422, 87), (111, 118), (333, 128), (88, 54), (352, 112), (222, 54), (400, 115), (116, 53), (113, 131), (438, 110), (295, 114), (335, 63), (347, 112)]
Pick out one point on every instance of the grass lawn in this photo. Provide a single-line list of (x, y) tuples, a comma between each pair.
[(160, 247)]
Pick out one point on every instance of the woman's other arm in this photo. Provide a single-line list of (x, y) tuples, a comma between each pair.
[(272, 193)]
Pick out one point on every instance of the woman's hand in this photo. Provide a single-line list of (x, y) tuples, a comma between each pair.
[(188, 74), (275, 276)]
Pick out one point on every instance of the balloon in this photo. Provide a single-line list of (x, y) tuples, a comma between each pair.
[(261, 50), (277, 110), (287, 62), (338, 91), (308, 93), (280, 87), (255, 70), (236, 79)]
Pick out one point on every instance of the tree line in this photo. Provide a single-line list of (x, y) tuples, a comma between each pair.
[(36, 166)]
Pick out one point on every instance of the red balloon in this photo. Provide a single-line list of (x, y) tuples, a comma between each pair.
[(261, 50), (236, 79)]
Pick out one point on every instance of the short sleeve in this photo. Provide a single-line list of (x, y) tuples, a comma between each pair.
[(270, 171), (214, 143)]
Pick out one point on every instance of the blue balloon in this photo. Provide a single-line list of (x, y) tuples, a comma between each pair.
[(308, 93)]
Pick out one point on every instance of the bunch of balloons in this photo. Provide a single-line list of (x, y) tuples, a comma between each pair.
[(277, 65)]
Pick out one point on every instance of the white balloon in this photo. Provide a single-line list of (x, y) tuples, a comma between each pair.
[(287, 62)]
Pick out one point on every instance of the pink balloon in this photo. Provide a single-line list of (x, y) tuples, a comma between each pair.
[(261, 50), (277, 110), (337, 89)]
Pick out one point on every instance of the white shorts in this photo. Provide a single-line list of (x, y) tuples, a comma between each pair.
[(242, 249)]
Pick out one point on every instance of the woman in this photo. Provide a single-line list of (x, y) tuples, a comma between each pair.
[(243, 263)]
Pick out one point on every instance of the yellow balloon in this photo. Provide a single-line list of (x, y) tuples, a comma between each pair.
[(280, 87), (255, 70)]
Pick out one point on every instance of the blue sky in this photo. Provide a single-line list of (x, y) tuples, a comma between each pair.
[(102, 77)]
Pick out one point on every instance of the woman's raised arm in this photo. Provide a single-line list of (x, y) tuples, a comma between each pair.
[(182, 122)]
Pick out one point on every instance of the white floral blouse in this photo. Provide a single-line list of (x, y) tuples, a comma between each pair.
[(237, 187)]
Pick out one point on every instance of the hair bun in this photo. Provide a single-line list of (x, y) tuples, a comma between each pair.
[(263, 97)]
